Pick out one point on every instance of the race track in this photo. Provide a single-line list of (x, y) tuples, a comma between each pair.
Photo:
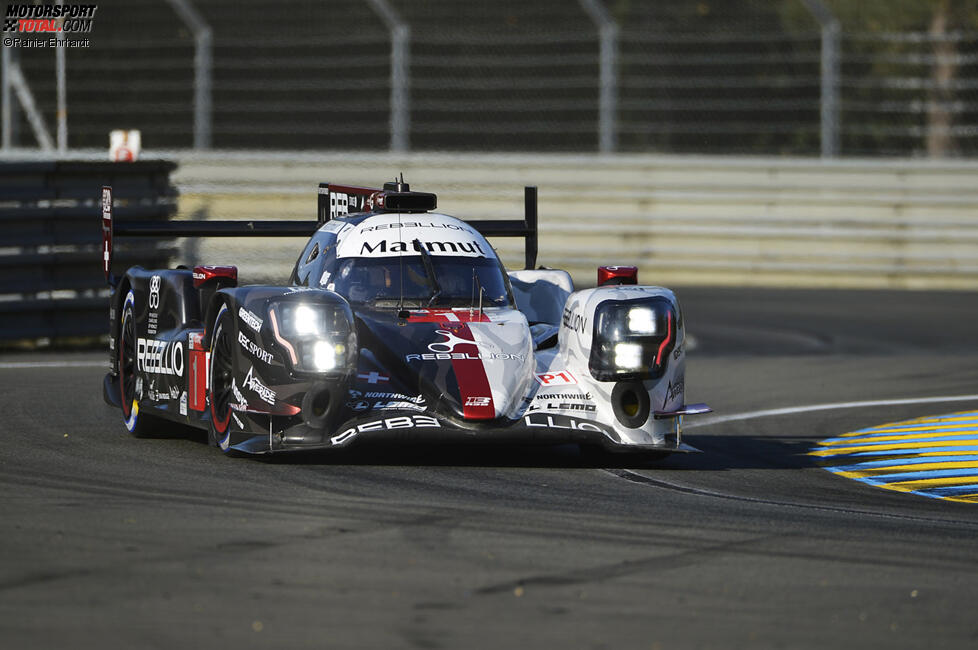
[(113, 542)]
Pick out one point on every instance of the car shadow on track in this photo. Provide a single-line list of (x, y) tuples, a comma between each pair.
[(719, 453)]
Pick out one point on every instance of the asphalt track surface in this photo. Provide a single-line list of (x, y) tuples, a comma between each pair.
[(113, 542)]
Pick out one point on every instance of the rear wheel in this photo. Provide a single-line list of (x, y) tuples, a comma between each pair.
[(221, 381), (139, 424)]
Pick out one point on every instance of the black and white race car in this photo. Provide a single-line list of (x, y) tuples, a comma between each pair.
[(397, 323)]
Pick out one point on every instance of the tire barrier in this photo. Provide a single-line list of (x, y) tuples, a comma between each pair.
[(51, 281)]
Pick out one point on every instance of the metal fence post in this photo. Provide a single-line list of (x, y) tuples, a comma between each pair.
[(831, 32), (60, 74), (608, 102), (27, 103), (5, 100), (203, 65), (400, 31)]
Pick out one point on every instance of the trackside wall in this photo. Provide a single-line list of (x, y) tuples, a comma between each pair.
[(680, 219)]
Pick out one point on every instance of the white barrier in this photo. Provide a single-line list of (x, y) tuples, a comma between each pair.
[(681, 220)]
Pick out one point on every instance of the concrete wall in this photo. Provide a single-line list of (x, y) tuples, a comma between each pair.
[(681, 220)]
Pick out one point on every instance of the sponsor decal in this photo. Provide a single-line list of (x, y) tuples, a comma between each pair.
[(397, 405), (417, 224), (153, 396), (242, 404), (106, 229), (363, 401), (555, 378), (679, 350), (159, 357), (562, 406), (198, 371), (237, 420), (464, 355), (254, 384), (174, 392), (254, 349), (139, 387), (154, 292), (574, 321), (448, 316), (298, 289), (341, 204), (333, 226), (372, 377), (399, 396), (560, 422), (183, 403), (400, 422), (249, 319), (477, 401), (384, 247), (582, 396), (154, 304), (448, 345), (674, 390)]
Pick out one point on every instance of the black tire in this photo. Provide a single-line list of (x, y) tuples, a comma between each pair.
[(140, 425), (221, 378)]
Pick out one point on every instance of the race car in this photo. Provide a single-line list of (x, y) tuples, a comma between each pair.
[(398, 323)]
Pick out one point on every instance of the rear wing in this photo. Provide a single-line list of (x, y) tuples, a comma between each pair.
[(333, 201)]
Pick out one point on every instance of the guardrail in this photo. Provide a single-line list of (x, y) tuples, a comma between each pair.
[(51, 282), (680, 219)]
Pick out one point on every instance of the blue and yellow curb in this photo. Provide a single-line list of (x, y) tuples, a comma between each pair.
[(934, 456)]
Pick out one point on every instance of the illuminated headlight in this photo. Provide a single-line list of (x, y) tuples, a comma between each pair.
[(641, 321), (632, 339), (325, 354), (306, 320), (628, 356), (316, 333)]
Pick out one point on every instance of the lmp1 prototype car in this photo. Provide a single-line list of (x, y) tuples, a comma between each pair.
[(397, 323)]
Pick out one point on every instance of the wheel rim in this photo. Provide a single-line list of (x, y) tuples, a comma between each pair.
[(127, 362), (221, 378)]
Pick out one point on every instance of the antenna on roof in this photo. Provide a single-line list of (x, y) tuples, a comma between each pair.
[(397, 185)]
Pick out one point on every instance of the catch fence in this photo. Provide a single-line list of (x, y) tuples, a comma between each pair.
[(749, 77)]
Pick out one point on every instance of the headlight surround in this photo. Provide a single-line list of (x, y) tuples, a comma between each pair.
[(633, 339), (315, 330)]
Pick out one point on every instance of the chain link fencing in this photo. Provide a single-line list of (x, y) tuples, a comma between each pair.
[(707, 77)]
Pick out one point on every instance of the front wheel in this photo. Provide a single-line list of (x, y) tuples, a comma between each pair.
[(141, 425), (221, 381)]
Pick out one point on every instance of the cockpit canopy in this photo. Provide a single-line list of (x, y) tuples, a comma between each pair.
[(450, 281), (429, 260)]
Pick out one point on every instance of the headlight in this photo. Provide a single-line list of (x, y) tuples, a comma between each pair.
[(641, 320), (632, 338), (628, 356), (316, 332), (306, 320), (325, 355)]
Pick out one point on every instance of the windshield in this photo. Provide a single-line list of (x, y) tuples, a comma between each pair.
[(378, 281)]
